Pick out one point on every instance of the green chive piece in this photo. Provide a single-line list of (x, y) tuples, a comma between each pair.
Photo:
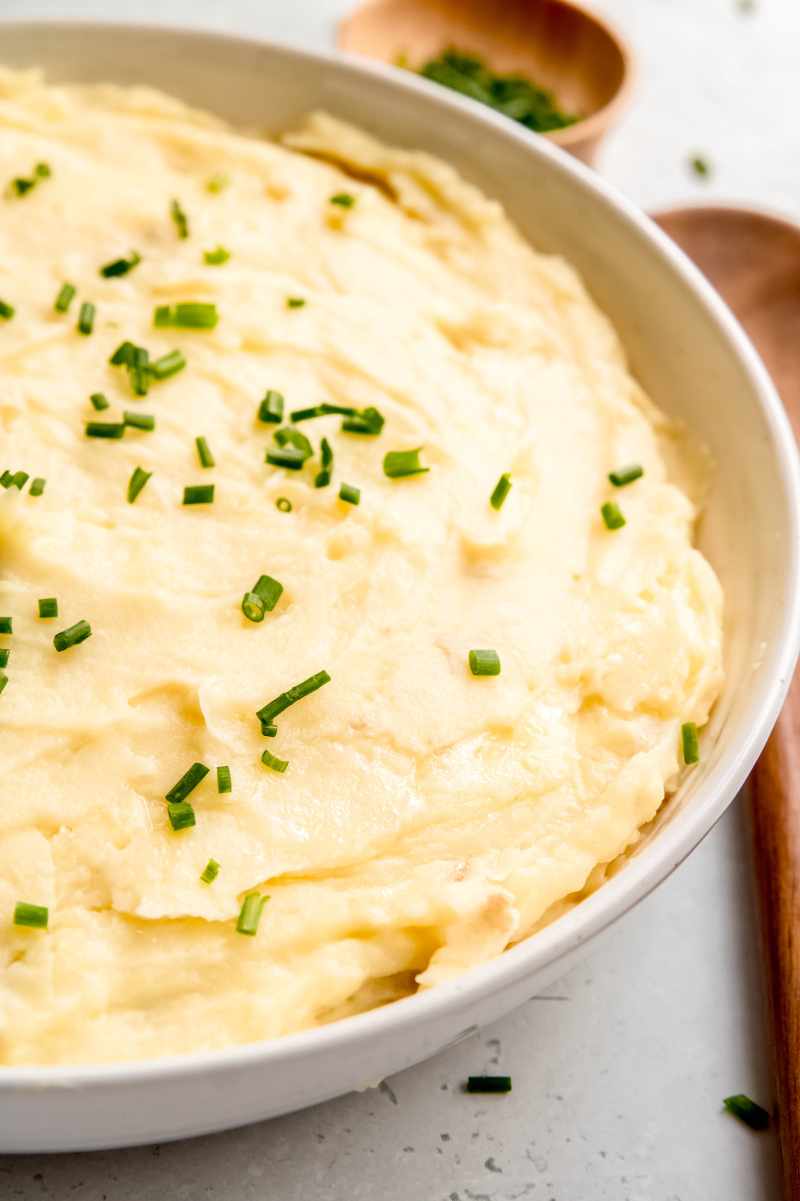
[(198, 494), (612, 515), (99, 401), (5, 625), (343, 199), (747, 1111), (323, 477), (6, 310), (223, 779), (626, 475), (271, 407), (18, 480), (283, 504), (203, 453), (292, 695), (218, 183), (123, 354), (86, 317), (400, 463), (3, 680), (210, 872), (72, 636), (484, 663), (690, 745), (42, 170), (350, 494), (105, 429), (268, 729), (273, 762), (286, 436), (270, 591), (181, 815), (180, 218), (4, 656), (120, 266), (188, 314), (66, 295), (48, 606), (286, 456), (250, 913), (139, 421), (306, 414), (215, 258), (368, 421), (21, 186), (33, 916), (6, 478), (501, 490), (168, 364), (253, 607), (187, 783), (37, 486), (295, 302), (700, 165), (489, 1084), (137, 482)]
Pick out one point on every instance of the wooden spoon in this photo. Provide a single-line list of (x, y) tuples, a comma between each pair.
[(555, 43), (753, 260)]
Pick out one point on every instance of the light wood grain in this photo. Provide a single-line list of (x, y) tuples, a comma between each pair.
[(754, 261)]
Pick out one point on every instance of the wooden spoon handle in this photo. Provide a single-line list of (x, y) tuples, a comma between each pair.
[(775, 807)]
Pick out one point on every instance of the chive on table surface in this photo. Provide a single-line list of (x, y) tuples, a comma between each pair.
[(618, 1071)]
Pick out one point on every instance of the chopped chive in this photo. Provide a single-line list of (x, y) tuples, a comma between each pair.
[(273, 762), (350, 494), (6, 478), (105, 429), (203, 453), (210, 872), (187, 783), (3, 680), (18, 480), (42, 170), (5, 625), (4, 656), (269, 729), (292, 695), (215, 258), (180, 218), (37, 486), (367, 421), (86, 317), (48, 606), (223, 779), (292, 437), (120, 266), (123, 354), (137, 482), (33, 916), (626, 475), (270, 591), (139, 421), (253, 607), (198, 494), (286, 456), (283, 504), (181, 815), (323, 477), (66, 295), (295, 302), (22, 185), (400, 463), (217, 183), (6, 310), (72, 636), (700, 165), (484, 663), (612, 515), (188, 314), (322, 410), (271, 407), (343, 199), (690, 745), (99, 401), (489, 1084), (747, 1111), (250, 913), (169, 364), (501, 490)]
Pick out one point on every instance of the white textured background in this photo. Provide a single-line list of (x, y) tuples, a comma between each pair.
[(620, 1068)]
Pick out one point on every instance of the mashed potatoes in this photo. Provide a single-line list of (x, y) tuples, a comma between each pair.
[(427, 817)]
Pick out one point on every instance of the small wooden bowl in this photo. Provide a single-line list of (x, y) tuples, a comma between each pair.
[(555, 43)]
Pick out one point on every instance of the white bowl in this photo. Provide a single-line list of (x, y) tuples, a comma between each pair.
[(695, 362)]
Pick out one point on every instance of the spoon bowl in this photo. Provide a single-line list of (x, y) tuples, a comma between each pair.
[(556, 44)]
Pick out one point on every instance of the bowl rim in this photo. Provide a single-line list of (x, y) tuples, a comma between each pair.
[(644, 871)]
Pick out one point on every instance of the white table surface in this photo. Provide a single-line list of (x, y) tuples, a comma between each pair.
[(619, 1069)]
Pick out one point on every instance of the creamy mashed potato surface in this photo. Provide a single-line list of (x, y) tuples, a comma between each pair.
[(428, 818)]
